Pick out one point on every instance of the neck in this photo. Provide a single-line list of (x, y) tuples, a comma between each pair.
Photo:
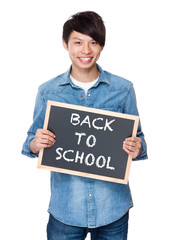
[(85, 75)]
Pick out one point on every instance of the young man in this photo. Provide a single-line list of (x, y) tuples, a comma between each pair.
[(79, 204)]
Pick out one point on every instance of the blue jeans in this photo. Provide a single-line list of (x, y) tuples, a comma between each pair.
[(115, 231)]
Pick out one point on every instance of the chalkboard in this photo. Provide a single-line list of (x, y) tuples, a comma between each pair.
[(88, 142)]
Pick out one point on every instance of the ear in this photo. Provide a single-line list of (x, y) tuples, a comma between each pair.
[(65, 45)]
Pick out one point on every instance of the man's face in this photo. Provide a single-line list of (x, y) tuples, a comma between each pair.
[(83, 50)]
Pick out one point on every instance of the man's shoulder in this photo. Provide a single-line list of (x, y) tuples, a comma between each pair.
[(52, 85), (117, 82)]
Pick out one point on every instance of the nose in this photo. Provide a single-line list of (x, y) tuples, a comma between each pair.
[(86, 48)]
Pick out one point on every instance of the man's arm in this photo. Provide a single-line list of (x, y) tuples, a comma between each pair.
[(134, 146), (37, 138)]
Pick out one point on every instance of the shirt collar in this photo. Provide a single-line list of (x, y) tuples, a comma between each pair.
[(66, 77)]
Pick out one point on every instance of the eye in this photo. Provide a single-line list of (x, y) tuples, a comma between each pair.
[(93, 43), (77, 43)]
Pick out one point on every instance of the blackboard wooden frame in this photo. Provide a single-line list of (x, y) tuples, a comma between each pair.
[(88, 110)]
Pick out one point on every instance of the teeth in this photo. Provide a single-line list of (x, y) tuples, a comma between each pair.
[(86, 59)]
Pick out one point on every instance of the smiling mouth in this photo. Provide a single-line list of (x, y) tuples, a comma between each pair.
[(85, 60)]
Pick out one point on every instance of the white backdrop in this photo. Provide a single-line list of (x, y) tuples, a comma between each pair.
[(139, 48)]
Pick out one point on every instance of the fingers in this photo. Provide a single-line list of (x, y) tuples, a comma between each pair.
[(43, 139), (132, 146)]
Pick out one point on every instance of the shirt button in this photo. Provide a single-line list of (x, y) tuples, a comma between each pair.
[(89, 95), (90, 195), (81, 96)]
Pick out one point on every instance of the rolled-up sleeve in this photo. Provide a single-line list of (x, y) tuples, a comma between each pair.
[(130, 107), (38, 121)]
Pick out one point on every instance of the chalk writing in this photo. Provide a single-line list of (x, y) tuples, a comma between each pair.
[(89, 138), (89, 159), (90, 142), (75, 120)]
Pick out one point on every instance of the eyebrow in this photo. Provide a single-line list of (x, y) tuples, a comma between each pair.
[(76, 38)]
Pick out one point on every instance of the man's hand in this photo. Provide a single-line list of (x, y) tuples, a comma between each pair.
[(132, 146), (43, 139)]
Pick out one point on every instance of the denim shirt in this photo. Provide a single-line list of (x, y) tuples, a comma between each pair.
[(81, 201)]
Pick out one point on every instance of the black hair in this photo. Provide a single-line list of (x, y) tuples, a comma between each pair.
[(89, 23)]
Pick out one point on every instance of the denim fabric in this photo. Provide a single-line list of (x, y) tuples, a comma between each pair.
[(117, 230), (80, 201)]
